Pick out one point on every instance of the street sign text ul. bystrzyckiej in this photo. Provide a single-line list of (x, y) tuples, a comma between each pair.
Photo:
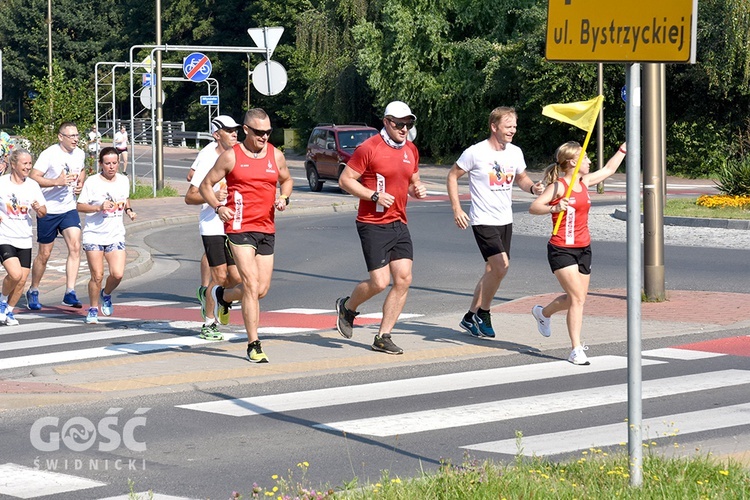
[(636, 31)]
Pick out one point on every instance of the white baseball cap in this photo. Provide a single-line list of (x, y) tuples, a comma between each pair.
[(224, 121), (398, 109)]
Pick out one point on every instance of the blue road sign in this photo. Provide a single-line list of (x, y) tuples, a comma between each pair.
[(196, 67), (209, 100), (147, 79)]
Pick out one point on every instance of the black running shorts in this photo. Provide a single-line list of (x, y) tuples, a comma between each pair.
[(493, 240), (263, 243), (383, 243), (23, 255), (560, 257), (217, 250)]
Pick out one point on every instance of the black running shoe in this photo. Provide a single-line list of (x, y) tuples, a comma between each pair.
[(345, 318), (383, 343)]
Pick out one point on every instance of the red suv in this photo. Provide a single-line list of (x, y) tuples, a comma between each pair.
[(329, 148)]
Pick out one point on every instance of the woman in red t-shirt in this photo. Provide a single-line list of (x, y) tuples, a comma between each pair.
[(569, 251)]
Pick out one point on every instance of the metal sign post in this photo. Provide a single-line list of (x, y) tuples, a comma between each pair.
[(645, 31)]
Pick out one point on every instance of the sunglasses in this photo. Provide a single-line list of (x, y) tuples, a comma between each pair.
[(401, 125), (260, 133)]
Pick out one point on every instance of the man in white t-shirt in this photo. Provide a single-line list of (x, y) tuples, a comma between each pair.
[(120, 142), (94, 143), (60, 173), (223, 270), (493, 166)]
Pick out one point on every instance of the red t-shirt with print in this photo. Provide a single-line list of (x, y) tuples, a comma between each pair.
[(384, 169)]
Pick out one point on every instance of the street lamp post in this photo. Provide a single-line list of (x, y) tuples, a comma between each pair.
[(49, 38)]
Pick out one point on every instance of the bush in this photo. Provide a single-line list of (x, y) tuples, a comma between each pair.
[(733, 177)]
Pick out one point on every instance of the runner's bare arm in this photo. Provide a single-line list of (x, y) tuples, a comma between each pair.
[(285, 181), (221, 169)]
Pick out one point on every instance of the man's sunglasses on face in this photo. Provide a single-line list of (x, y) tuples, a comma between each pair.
[(401, 125), (259, 133)]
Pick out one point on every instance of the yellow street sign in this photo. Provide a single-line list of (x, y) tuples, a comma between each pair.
[(634, 31)]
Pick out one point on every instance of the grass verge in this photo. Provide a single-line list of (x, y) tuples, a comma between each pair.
[(144, 191), (686, 207), (594, 475)]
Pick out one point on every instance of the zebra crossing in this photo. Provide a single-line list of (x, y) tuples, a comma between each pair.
[(153, 325), (427, 405)]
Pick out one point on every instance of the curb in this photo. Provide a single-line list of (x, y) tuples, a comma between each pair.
[(741, 224)]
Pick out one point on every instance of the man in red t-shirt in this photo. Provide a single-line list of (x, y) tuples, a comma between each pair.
[(252, 169), (382, 173)]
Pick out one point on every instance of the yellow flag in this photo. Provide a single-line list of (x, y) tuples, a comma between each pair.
[(582, 114)]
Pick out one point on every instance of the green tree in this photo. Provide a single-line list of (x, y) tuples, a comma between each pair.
[(61, 99), (82, 34)]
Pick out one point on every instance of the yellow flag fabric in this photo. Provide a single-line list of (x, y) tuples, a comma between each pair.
[(582, 114)]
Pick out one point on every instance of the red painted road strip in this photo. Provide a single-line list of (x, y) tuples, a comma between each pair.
[(267, 319), (733, 346)]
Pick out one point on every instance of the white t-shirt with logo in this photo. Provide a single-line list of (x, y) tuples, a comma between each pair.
[(209, 223), (491, 177), (105, 227), (94, 141), (52, 162), (15, 210)]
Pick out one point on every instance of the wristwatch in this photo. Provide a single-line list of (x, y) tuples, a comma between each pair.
[(375, 197), (216, 210)]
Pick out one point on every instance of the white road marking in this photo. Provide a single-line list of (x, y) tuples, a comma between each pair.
[(26, 482), (260, 405), (301, 310), (678, 424), (683, 354), (146, 303), (496, 411)]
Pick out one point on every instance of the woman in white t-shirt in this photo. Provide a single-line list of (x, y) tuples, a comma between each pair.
[(19, 195), (104, 199)]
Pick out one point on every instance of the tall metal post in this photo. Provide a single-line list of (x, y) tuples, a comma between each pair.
[(49, 38), (159, 136), (600, 127), (633, 165), (653, 199)]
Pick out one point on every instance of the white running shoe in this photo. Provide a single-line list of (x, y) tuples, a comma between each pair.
[(578, 357), (543, 324), (10, 320)]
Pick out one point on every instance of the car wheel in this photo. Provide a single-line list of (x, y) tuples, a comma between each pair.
[(313, 179)]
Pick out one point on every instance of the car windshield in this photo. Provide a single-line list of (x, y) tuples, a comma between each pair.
[(350, 140)]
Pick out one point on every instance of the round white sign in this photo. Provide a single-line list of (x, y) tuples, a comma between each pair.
[(269, 78), (146, 96)]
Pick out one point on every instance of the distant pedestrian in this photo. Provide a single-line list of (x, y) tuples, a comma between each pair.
[(252, 169), (60, 173), (104, 200), (382, 173), (94, 143), (493, 166), (120, 142), (221, 265), (19, 195), (569, 251)]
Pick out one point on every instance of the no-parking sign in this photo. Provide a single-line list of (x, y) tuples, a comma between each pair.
[(196, 67)]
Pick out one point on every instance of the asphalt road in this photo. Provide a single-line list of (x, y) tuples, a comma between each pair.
[(203, 452)]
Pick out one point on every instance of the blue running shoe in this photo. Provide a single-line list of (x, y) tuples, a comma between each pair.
[(32, 300), (71, 300), (91, 317), (10, 320), (470, 327), (484, 324), (3, 311), (105, 304)]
